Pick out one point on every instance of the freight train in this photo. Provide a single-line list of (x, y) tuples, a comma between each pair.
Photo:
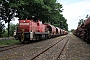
[(32, 29), (83, 31)]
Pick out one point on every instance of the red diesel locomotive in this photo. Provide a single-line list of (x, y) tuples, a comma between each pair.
[(28, 30)]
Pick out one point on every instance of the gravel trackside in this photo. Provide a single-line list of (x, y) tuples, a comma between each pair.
[(77, 49), (28, 51)]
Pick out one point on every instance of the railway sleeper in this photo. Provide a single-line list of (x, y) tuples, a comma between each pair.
[(88, 40)]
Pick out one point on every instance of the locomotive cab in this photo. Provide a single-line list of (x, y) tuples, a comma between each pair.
[(24, 31)]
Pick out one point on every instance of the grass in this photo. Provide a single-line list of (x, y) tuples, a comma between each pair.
[(8, 42)]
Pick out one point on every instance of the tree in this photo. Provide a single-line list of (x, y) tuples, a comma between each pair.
[(1, 28), (72, 30), (7, 13), (12, 28), (45, 10), (63, 22), (81, 21), (42, 9), (87, 16)]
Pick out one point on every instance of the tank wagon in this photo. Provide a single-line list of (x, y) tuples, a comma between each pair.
[(83, 31)]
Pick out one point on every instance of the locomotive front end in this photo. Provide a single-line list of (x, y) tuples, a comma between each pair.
[(24, 31)]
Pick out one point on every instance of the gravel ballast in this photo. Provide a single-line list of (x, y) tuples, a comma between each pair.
[(77, 49)]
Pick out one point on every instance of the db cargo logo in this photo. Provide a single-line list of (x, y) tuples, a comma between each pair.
[(24, 23)]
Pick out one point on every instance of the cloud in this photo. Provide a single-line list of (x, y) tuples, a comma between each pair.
[(75, 11), (14, 20)]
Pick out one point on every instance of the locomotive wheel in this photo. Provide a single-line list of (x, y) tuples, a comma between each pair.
[(36, 37), (84, 39), (88, 41)]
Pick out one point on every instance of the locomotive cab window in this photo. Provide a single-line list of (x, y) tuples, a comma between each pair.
[(37, 24)]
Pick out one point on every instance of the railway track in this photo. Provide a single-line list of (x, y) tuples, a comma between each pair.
[(52, 47), (58, 58), (7, 38), (5, 48), (8, 47)]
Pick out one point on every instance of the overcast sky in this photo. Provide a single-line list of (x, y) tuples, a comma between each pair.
[(75, 10)]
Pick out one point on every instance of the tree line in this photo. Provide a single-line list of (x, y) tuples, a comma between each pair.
[(81, 21), (49, 11)]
